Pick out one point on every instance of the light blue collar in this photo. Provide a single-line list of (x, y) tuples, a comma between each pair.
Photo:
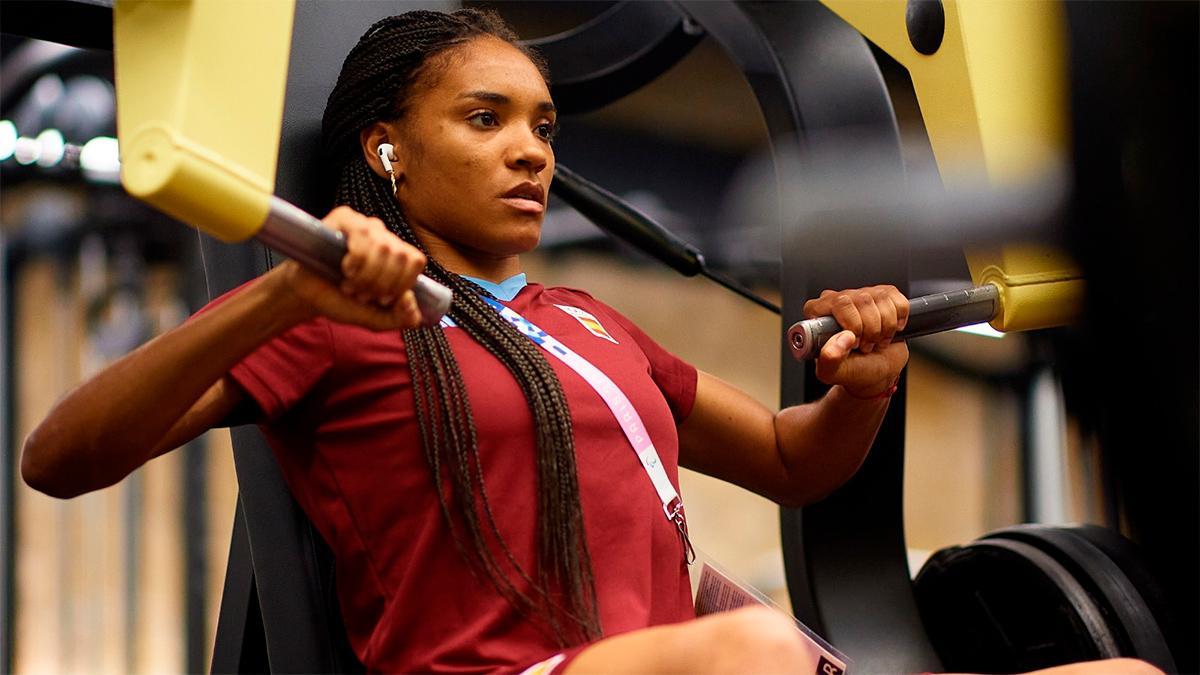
[(505, 290)]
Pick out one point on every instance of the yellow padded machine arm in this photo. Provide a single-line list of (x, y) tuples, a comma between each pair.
[(993, 98), (200, 92), (1039, 286), (200, 87)]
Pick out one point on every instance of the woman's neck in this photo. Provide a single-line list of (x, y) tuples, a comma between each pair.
[(471, 263)]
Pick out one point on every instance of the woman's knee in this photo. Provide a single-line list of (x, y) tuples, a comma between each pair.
[(753, 639)]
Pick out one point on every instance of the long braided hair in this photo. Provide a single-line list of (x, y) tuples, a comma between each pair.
[(376, 81)]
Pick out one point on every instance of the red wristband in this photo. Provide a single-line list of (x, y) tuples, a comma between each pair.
[(886, 393)]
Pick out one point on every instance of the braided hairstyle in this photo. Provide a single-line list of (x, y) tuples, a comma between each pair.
[(376, 82)]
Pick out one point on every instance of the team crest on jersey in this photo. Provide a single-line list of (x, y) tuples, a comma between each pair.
[(588, 321)]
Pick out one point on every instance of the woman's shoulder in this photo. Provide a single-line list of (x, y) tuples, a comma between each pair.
[(577, 297), (555, 293)]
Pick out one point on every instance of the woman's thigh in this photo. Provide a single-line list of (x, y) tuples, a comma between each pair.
[(753, 639), (749, 640)]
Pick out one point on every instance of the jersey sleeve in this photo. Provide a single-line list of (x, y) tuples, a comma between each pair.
[(675, 377), (282, 370)]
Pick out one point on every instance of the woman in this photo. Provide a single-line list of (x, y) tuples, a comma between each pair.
[(486, 509)]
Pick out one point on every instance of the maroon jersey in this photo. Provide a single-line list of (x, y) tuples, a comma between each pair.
[(338, 407)]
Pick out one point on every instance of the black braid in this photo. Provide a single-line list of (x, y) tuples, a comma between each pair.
[(376, 81)]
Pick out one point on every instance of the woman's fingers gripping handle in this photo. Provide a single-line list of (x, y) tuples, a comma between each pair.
[(854, 330), (834, 354), (841, 314), (381, 269), (349, 268), (874, 315)]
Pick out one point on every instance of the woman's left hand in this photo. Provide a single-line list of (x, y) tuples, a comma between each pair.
[(862, 359)]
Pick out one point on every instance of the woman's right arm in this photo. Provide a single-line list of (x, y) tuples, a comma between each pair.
[(175, 387)]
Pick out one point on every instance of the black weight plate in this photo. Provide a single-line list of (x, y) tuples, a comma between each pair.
[(1004, 606), (1128, 614), (1128, 556)]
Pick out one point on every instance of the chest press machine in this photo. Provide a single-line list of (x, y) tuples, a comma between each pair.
[(812, 70)]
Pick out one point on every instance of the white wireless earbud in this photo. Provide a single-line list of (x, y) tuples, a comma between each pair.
[(387, 154)]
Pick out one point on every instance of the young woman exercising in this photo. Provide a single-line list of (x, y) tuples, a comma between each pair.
[(486, 507)]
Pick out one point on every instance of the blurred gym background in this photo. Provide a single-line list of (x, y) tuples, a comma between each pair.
[(129, 579)]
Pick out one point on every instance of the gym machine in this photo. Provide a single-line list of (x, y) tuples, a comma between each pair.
[(812, 70)]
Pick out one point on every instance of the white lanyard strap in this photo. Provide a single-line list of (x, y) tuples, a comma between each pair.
[(622, 409)]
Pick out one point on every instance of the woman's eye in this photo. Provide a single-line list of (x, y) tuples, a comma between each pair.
[(546, 131), (484, 119)]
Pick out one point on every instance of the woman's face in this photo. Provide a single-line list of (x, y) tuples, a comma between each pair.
[(474, 154)]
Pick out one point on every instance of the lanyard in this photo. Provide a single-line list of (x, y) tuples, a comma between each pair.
[(623, 411)]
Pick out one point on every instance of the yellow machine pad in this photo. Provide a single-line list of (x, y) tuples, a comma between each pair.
[(200, 90), (996, 114)]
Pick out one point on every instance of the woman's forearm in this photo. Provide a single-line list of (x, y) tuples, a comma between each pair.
[(793, 457), (826, 441), (112, 423)]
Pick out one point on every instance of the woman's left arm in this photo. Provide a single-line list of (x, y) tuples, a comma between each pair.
[(805, 452)]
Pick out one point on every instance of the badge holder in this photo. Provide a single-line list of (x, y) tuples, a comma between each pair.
[(716, 590)]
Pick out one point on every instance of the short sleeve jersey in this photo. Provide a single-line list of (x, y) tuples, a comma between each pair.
[(339, 415)]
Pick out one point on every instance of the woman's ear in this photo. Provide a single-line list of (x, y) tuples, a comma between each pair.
[(370, 139)]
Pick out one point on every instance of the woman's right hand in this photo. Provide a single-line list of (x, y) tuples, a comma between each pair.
[(379, 271)]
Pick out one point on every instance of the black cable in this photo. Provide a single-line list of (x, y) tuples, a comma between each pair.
[(613, 215), (740, 290)]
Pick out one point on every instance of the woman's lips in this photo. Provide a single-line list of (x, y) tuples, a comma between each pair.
[(524, 205)]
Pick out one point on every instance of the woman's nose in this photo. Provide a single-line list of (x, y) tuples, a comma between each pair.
[(528, 151)]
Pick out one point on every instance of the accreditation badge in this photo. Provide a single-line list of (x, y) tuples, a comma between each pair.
[(715, 590)]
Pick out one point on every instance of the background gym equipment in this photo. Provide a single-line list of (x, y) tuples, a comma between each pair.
[(811, 72)]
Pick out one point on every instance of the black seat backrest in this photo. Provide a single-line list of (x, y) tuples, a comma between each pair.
[(279, 610)]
